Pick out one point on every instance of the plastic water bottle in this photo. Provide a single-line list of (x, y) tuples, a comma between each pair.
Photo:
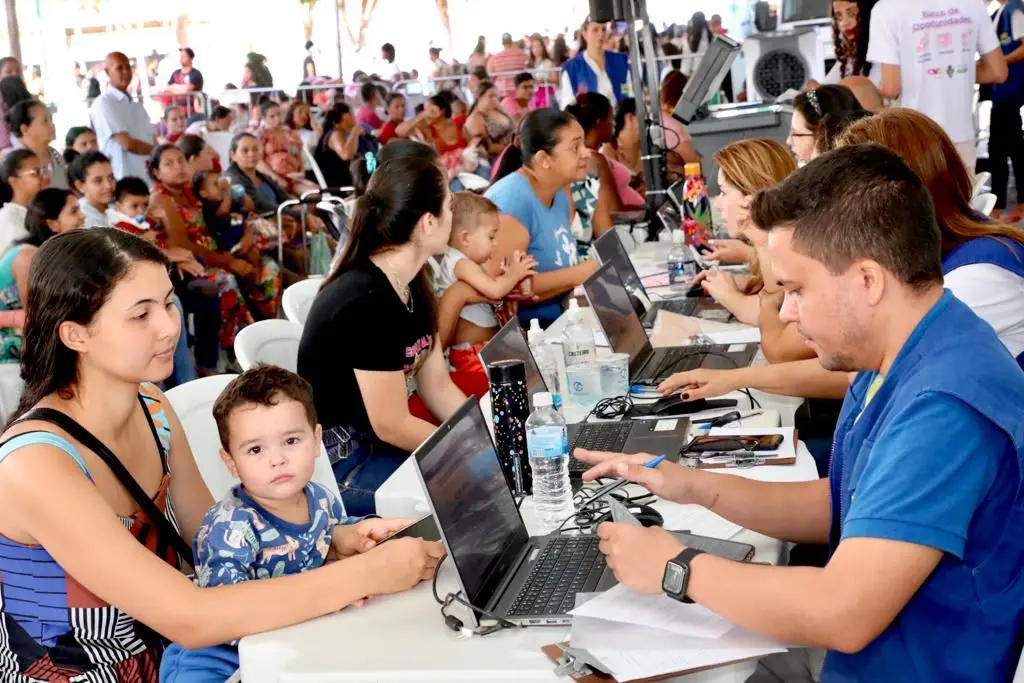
[(677, 260), (547, 443), (579, 338), (547, 363)]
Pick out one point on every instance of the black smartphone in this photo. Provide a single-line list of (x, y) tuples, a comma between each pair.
[(728, 444), (425, 528)]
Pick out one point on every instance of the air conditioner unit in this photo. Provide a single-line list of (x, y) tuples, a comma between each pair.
[(781, 61)]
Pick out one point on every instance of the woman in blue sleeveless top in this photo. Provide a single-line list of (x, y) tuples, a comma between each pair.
[(533, 197)]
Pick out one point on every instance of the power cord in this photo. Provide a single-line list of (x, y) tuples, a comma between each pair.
[(456, 624)]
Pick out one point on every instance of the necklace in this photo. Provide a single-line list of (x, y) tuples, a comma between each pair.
[(404, 293)]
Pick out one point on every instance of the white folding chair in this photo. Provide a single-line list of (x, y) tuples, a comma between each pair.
[(472, 182), (981, 182), (314, 167), (275, 342), (984, 203), (299, 297), (220, 142), (193, 403)]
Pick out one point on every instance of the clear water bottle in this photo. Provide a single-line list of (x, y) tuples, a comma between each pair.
[(681, 265), (547, 443), (579, 338), (547, 362)]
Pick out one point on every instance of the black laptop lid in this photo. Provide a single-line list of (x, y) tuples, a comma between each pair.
[(611, 250), (610, 301), (471, 501), (510, 344)]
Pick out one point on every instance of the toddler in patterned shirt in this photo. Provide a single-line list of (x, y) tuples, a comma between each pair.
[(277, 521)]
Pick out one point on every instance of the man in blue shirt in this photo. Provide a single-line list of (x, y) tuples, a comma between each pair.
[(923, 505)]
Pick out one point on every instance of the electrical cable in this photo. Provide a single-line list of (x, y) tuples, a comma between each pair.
[(456, 624)]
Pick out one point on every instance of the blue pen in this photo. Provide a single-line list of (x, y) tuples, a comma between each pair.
[(604, 491)]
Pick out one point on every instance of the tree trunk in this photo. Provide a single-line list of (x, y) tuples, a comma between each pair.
[(13, 34)]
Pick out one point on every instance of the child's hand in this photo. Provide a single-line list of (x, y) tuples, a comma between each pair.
[(150, 236), (522, 267), (351, 539)]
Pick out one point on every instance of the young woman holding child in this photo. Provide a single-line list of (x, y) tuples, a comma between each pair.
[(100, 330), (361, 381)]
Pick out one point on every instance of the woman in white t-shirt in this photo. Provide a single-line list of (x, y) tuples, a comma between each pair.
[(23, 177), (851, 23)]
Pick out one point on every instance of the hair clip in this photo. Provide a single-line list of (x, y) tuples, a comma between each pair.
[(371, 162), (812, 97)]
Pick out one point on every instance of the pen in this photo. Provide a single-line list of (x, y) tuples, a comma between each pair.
[(604, 491)]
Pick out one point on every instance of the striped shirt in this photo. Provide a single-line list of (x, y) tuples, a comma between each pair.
[(511, 60)]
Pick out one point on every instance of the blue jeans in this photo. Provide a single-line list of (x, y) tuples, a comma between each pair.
[(204, 665), (361, 463), (184, 367)]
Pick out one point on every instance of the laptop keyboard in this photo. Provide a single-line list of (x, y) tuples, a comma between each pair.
[(599, 436), (558, 575), (680, 306)]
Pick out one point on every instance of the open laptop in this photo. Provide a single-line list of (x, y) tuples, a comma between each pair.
[(610, 301), (610, 249), (625, 436), (529, 581)]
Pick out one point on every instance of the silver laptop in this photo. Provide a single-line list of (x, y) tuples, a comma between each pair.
[(529, 581)]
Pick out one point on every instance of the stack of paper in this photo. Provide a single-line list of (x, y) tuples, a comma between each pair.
[(638, 636)]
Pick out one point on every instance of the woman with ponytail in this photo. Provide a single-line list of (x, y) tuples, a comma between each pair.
[(22, 176), (371, 333)]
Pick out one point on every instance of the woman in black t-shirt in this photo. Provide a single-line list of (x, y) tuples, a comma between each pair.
[(372, 332)]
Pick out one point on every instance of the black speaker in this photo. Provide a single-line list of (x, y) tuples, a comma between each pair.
[(606, 10)]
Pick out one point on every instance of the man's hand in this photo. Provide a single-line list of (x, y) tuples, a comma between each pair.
[(667, 480), (717, 284), (352, 539), (638, 555), (701, 383)]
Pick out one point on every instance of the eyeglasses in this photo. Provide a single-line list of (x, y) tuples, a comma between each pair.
[(37, 172)]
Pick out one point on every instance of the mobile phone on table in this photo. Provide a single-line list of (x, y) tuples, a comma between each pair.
[(727, 444), (425, 528)]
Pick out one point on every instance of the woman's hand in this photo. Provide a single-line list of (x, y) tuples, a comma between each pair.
[(190, 268), (243, 269), (352, 539), (402, 563), (315, 223), (720, 286), (700, 383), (637, 555), (667, 480), (729, 251), (179, 255)]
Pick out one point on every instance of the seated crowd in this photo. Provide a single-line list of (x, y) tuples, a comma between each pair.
[(131, 261)]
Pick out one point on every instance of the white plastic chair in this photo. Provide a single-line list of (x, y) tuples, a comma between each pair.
[(275, 342), (473, 182), (220, 142), (981, 182), (193, 403), (314, 167), (984, 203), (299, 297)]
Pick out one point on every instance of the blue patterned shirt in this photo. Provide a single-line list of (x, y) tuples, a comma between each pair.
[(240, 541)]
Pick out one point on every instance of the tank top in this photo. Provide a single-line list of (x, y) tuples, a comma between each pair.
[(52, 627)]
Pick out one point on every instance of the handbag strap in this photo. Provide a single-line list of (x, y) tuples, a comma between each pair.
[(82, 435)]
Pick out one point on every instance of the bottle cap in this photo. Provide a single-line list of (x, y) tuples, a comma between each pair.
[(542, 399), (678, 236), (535, 325), (692, 168), (506, 371), (574, 305)]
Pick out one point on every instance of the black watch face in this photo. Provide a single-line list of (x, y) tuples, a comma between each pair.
[(674, 580)]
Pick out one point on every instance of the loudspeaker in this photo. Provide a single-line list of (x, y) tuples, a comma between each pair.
[(777, 62), (604, 11)]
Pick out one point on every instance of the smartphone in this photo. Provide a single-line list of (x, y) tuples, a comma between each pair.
[(425, 528), (726, 444)]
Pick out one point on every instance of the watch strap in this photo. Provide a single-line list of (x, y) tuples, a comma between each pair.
[(684, 558)]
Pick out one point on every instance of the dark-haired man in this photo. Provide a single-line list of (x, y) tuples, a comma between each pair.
[(187, 79), (924, 503)]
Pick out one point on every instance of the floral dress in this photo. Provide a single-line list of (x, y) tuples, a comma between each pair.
[(282, 150), (234, 310)]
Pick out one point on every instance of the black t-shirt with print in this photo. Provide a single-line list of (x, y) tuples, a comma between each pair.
[(358, 322)]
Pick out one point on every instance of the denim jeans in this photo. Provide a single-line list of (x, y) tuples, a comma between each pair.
[(361, 463), (184, 367), (203, 665)]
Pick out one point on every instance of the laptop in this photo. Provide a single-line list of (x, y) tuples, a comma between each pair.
[(610, 301), (610, 249), (625, 436), (529, 581)]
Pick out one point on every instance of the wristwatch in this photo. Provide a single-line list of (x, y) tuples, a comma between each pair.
[(677, 574)]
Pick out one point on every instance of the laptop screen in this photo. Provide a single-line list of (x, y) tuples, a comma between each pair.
[(611, 305), (511, 344), (474, 508), (611, 250)]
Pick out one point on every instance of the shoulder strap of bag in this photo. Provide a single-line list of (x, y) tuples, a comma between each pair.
[(79, 433)]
